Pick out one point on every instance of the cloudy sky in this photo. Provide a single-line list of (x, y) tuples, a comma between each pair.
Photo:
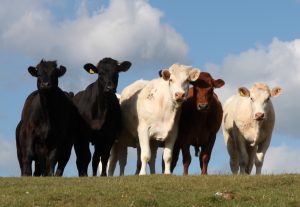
[(241, 42)]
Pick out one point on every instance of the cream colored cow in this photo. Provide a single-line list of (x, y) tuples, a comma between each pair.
[(248, 122), (150, 110)]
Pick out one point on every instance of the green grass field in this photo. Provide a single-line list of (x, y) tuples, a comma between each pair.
[(154, 190)]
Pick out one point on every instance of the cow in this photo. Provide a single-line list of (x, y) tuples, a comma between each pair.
[(248, 122), (50, 125), (151, 110), (200, 120), (100, 108)]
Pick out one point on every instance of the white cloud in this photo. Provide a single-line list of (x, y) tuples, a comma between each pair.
[(125, 29), (277, 64), (281, 159), (8, 163)]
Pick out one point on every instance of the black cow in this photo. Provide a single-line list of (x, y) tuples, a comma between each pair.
[(100, 108), (49, 126)]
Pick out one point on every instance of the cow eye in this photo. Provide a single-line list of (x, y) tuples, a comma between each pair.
[(268, 99), (171, 80), (252, 99)]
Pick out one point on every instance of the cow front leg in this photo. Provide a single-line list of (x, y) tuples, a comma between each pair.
[(168, 150), (145, 148), (206, 153), (260, 154), (96, 159)]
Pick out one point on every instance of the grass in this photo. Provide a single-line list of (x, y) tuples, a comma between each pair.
[(157, 190)]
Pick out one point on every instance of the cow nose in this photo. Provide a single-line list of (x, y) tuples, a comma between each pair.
[(179, 96), (202, 106), (45, 84), (109, 88), (259, 116)]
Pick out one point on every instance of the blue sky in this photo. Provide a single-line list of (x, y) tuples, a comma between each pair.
[(240, 41)]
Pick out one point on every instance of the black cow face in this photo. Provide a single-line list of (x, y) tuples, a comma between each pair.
[(47, 74), (108, 73)]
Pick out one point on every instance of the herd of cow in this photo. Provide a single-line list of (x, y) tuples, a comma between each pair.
[(177, 110)]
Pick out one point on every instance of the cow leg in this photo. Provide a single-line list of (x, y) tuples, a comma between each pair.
[(27, 156), (251, 152), (243, 154), (104, 160), (186, 159), (232, 151), (168, 150), (205, 154), (113, 159), (96, 159), (175, 155), (83, 157), (145, 148), (138, 160), (63, 159), (153, 147), (260, 154)]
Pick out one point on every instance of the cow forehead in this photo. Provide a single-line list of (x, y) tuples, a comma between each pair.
[(179, 71), (46, 66), (260, 90)]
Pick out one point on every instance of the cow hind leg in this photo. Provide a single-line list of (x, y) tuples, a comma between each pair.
[(96, 159), (186, 159), (83, 157), (232, 151)]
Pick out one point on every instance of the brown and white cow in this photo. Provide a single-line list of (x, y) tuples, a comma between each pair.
[(200, 120), (248, 122), (150, 110)]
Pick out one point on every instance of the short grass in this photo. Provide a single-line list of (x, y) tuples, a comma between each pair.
[(154, 190)]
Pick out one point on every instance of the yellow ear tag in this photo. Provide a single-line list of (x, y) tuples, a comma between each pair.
[(91, 71)]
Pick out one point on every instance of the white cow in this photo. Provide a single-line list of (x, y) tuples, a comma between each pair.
[(248, 122), (150, 110)]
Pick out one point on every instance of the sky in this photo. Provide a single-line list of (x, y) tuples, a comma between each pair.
[(242, 42)]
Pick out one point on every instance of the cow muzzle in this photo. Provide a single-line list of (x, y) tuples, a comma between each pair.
[(179, 97), (259, 116), (202, 106)]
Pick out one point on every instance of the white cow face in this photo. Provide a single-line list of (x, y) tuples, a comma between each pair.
[(178, 77), (259, 97)]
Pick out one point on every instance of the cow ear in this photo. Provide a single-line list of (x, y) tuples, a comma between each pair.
[(159, 73), (244, 92), (61, 71), (165, 74), (33, 71), (276, 91), (218, 83), (90, 68), (193, 74), (124, 66)]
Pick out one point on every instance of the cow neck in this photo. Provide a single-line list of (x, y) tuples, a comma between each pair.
[(49, 100)]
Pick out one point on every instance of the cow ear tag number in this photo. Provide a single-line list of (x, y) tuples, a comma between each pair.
[(91, 71)]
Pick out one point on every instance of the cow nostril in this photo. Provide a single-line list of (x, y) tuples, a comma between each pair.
[(259, 116), (202, 106), (179, 96)]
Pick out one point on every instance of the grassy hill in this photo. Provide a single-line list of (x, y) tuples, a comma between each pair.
[(157, 190)]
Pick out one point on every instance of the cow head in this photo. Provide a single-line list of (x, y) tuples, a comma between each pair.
[(47, 74), (259, 97), (108, 73), (179, 77), (203, 90)]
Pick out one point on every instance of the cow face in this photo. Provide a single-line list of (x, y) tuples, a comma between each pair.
[(108, 73), (259, 97), (47, 74), (178, 77), (203, 90)]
